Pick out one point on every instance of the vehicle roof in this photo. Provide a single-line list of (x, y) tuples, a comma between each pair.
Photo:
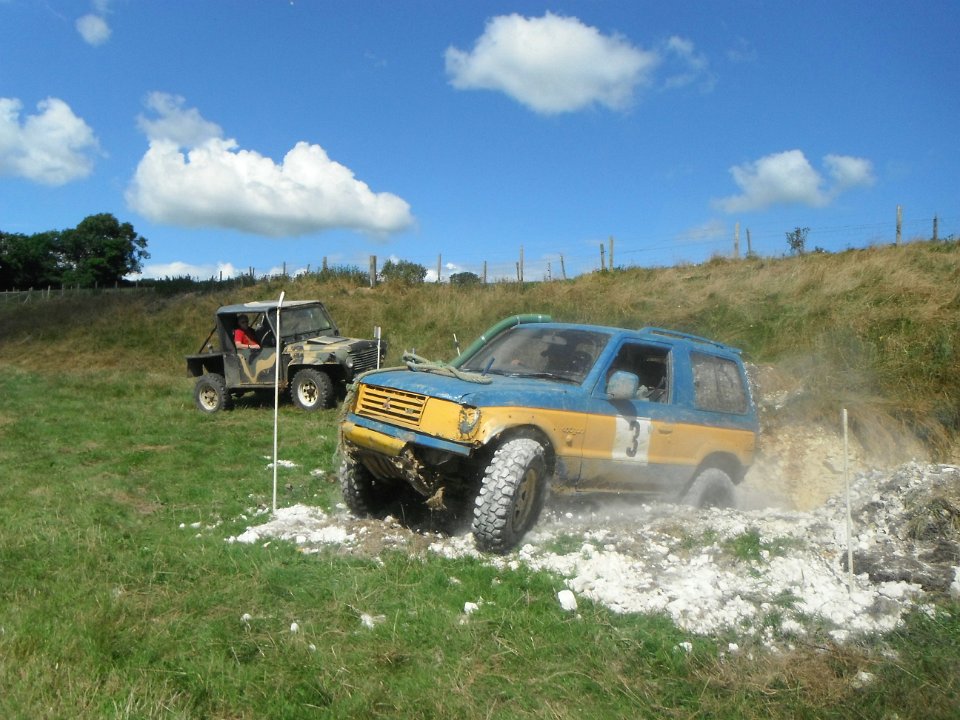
[(647, 333), (259, 306)]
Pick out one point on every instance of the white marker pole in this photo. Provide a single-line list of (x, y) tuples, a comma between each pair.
[(276, 401), (376, 334), (846, 483)]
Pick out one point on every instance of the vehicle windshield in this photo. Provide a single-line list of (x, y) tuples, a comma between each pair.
[(304, 322), (536, 351)]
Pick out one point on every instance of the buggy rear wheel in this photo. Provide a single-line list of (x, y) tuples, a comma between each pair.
[(210, 393)]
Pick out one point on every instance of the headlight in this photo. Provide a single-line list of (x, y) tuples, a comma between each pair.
[(469, 418)]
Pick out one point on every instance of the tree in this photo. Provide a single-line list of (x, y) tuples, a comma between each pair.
[(403, 271), (464, 278), (100, 251), (797, 240), (28, 261)]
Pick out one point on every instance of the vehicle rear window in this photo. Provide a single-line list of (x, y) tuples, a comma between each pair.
[(718, 385)]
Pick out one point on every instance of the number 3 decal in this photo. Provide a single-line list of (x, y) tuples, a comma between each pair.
[(634, 440)]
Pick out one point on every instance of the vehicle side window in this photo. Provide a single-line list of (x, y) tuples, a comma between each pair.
[(650, 364), (718, 385)]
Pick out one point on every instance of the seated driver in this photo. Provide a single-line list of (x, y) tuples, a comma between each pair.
[(243, 336)]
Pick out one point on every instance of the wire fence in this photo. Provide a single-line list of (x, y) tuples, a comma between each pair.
[(536, 262), (8, 297)]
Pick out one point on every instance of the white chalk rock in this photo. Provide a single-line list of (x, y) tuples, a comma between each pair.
[(568, 601)]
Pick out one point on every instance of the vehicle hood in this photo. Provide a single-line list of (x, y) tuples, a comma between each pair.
[(500, 391), (329, 342)]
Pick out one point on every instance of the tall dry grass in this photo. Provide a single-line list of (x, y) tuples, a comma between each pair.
[(876, 330)]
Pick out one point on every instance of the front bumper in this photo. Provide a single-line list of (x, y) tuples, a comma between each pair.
[(384, 439)]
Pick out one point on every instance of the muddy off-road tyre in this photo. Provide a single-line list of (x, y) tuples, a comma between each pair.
[(511, 495), (210, 393), (363, 494), (311, 389), (712, 488)]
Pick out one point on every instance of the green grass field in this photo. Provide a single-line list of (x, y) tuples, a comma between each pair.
[(120, 597)]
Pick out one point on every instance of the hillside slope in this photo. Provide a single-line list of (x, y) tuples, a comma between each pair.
[(876, 331)]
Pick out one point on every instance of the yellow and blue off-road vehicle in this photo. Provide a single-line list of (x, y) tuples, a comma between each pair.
[(315, 360), (536, 404)]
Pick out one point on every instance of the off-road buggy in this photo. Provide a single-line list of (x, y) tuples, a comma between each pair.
[(316, 362)]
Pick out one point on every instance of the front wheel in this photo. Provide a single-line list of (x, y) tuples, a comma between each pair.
[(511, 495), (712, 488), (363, 494), (210, 393), (311, 389)]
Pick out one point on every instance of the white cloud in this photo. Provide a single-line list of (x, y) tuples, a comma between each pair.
[(177, 269), (52, 147), (93, 29), (788, 178), (742, 51), (685, 66), (706, 232), (185, 127), (217, 184), (848, 172), (551, 64), (449, 268)]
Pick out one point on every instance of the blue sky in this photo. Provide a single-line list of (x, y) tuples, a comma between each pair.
[(258, 133)]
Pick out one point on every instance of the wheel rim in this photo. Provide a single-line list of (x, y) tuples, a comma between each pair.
[(308, 392), (523, 500), (208, 397)]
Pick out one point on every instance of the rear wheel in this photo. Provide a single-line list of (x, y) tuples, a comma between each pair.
[(311, 389), (711, 488), (511, 495), (210, 393)]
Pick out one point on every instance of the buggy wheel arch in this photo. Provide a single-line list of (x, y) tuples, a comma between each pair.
[(530, 432)]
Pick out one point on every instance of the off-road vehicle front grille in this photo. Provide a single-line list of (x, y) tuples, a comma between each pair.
[(390, 405), (364, 358)]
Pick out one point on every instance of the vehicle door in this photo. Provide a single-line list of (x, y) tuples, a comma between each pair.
[(628, 439), (717, 415), (252, 366)]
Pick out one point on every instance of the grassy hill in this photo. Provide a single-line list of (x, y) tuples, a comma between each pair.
[(876, 331), (120, 597)]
